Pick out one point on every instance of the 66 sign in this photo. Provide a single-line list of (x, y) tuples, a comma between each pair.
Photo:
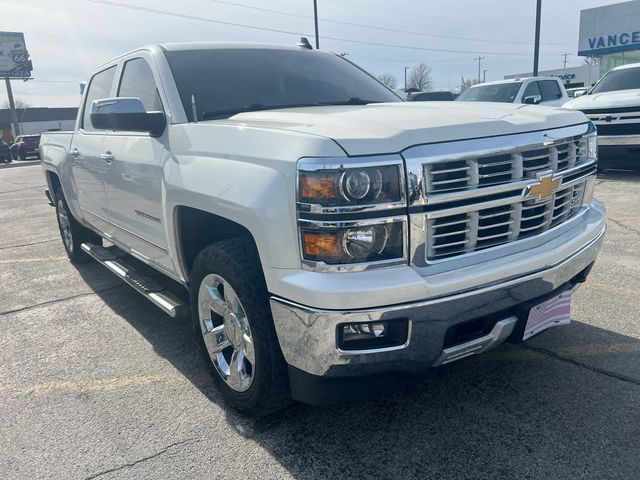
[(14, 58)]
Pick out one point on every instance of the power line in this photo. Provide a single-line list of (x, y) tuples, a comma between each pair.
[(375, 27), (275, 30)]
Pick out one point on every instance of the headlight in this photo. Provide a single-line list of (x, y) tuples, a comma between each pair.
[(351, 212), (338, 185), (359, 243), (592, 146)]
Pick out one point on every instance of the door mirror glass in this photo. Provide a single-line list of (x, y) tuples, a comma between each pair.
[(126, 114), (532, 99)]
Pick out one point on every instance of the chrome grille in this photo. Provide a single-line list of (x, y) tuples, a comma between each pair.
[(475, 230), (486, 171)]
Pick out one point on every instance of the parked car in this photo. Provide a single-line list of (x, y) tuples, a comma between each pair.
[(5, 153), (442, 96), (25, 146), (317, 229), (547, 91), (613, 105)]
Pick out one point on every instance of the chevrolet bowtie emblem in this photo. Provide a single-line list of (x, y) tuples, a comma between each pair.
[(543, 189)]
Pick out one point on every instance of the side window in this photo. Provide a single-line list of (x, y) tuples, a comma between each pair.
[(137, 81), (99, 87), (550, 90), (531, 90)]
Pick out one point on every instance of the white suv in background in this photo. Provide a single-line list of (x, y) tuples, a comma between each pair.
[(533, 90)]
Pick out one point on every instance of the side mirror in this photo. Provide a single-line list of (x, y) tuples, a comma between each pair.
[(532, 99), (126, 114), (579, 93)]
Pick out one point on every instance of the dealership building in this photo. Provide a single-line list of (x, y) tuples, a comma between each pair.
[(611, 34)]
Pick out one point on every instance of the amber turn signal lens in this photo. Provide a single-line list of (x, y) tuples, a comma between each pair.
[(321, 245), (318, 187)]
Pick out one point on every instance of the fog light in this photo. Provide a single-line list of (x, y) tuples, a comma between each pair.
[(373, 335)]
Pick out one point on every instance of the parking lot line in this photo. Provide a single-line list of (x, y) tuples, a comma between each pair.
[(30, 260), (95, 384)]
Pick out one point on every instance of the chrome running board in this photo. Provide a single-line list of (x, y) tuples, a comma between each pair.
[(495, 337), (149, 287)]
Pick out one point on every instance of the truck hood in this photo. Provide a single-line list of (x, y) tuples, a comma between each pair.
[(393, 127), (620, 98)]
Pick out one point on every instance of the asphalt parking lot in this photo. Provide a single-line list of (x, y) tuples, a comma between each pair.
[(96, 382)]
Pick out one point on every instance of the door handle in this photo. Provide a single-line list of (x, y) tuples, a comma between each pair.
[(107, 157), (75, 153)]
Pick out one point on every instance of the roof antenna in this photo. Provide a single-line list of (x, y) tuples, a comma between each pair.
[(304, 43), (194, 110)]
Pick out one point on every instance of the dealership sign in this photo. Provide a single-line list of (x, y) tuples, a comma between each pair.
[(613, 42), (609, 29), (14, 58)]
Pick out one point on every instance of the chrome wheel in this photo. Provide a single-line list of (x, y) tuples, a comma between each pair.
[(65, 226), (226, 332)]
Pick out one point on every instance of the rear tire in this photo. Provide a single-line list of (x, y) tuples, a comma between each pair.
[(72, 233), (232, 320)]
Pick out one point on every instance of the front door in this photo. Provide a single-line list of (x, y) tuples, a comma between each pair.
[(134, 181)]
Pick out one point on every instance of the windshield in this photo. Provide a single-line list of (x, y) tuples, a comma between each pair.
[(625, 79), (502, 92), (224, 82)]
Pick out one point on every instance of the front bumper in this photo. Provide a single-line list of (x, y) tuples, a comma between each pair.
[(618, 140), (307, 335)]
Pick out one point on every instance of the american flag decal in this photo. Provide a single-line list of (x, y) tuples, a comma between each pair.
[(555, 311)]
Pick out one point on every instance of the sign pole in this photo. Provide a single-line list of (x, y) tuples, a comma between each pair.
[(536, 47), (12, 108)]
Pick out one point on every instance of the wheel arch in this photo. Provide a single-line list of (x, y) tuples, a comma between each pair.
[(204, 228)]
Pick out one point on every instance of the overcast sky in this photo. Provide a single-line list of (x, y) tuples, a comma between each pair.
[(68, 38)]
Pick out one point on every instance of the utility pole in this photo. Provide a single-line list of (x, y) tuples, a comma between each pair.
[(564, 66), (479, 59), (12, 108), (536, 48), (405, 78), (315, 17), (484, 75)]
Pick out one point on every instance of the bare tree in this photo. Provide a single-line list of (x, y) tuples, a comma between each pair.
[(592, 60), (420, 78), (465, 84), (19, 103), (388, 79)]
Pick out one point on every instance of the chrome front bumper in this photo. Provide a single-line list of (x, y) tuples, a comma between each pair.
[(618, 140), (307, 335)]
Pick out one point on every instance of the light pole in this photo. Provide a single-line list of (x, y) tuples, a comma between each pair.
[(536, 47), (315, 17), (405, 78)]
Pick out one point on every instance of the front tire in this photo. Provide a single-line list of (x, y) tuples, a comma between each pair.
[(73, 234), (232, 320)]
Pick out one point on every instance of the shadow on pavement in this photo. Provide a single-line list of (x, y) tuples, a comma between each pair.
[(513, 413)]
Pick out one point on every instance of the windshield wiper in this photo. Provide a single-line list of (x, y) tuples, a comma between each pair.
[(350, 101), (254, 107)]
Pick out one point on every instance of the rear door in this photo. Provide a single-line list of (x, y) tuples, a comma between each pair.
[(88, 169), (134, 181)]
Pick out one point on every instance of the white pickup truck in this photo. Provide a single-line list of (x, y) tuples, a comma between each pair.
[(613, 105), (326, 237)]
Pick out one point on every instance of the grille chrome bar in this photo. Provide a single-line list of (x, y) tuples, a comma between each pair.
[(457, 234)]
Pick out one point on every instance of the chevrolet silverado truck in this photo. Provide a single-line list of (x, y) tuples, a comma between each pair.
[(613, 105), (325, 237)]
